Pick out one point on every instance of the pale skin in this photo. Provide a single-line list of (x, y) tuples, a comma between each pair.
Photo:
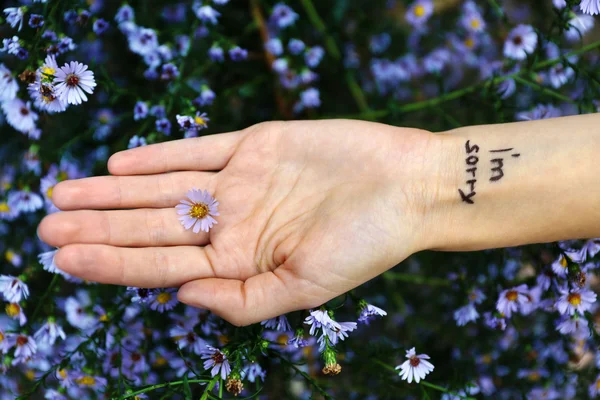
[(312, 209)]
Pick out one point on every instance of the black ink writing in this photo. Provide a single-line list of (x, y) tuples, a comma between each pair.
[(497, 172), (471, 160), (498, 164), (466, 197)]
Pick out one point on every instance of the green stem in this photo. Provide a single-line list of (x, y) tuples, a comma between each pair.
[(334, 51), (444, 390), (210, 387), (543, 89), (318, 23), (456, 94), (429, 385), (418, 279), (42, 301), (162, 385), (310, 380)]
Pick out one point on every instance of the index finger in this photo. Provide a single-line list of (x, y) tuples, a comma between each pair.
[(205, 153)]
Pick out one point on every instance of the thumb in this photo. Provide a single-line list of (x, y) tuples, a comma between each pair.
[(242, 303)]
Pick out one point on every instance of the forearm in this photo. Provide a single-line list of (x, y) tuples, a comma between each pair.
[(512, 184)]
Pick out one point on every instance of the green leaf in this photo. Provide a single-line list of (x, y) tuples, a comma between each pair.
[(186, 388)]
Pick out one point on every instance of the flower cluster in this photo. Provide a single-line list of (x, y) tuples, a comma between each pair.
[(80, 80)]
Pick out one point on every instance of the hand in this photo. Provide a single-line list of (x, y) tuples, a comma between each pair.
[(308, 211)]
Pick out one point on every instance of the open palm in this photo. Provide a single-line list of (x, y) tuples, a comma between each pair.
[(308, 210)]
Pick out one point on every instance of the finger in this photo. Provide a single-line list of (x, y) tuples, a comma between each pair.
[(128, 228), (108, 192), (242, 303), (208, 153), (147, 267)]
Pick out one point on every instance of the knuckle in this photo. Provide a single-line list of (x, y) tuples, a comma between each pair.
[(162, 267), (266, 128), (155, 225), (121, 268)]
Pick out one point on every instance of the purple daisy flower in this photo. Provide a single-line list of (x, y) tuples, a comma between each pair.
[(465, 314), (72, 80), (164, 300), (8, 84), (541, 111), (13, 289), (15, 311), (5, 344), (49, 332), (216, 53), (136, 141), (419, 12), (25, 348), (278, 323), (510, 299), (298, 340), (19, 115), (591, 7), (574, 326), (141, 295), (283, 16), (521, 41), (416, 367), (208, 14), (238, 54), (15, 16), (36, 21), (369, 312), (253, 371), (199, 211), (216, 361), (575, 301), (47, 261), (579, 25)]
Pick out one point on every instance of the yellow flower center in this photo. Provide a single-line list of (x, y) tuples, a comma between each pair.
[(30, 374), (12, 310), (512, 295), (46, 70), (103, 318), (6, 185), (49, 192), (4, 207), (1, 337), (86, 380), (62, 373), (475, 23), (224, 339), (469, 42), (199, 210), (199, 120), (419, 10), (598, 384), (574, 299), (486, 359), (10, 255), (282, 339), (160, 361), (163, 298), (563, 261), (534, 376)]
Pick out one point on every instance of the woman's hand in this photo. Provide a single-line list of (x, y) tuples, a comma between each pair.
[(308, 211)]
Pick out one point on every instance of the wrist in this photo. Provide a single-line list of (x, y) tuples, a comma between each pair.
[(514, 184)]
